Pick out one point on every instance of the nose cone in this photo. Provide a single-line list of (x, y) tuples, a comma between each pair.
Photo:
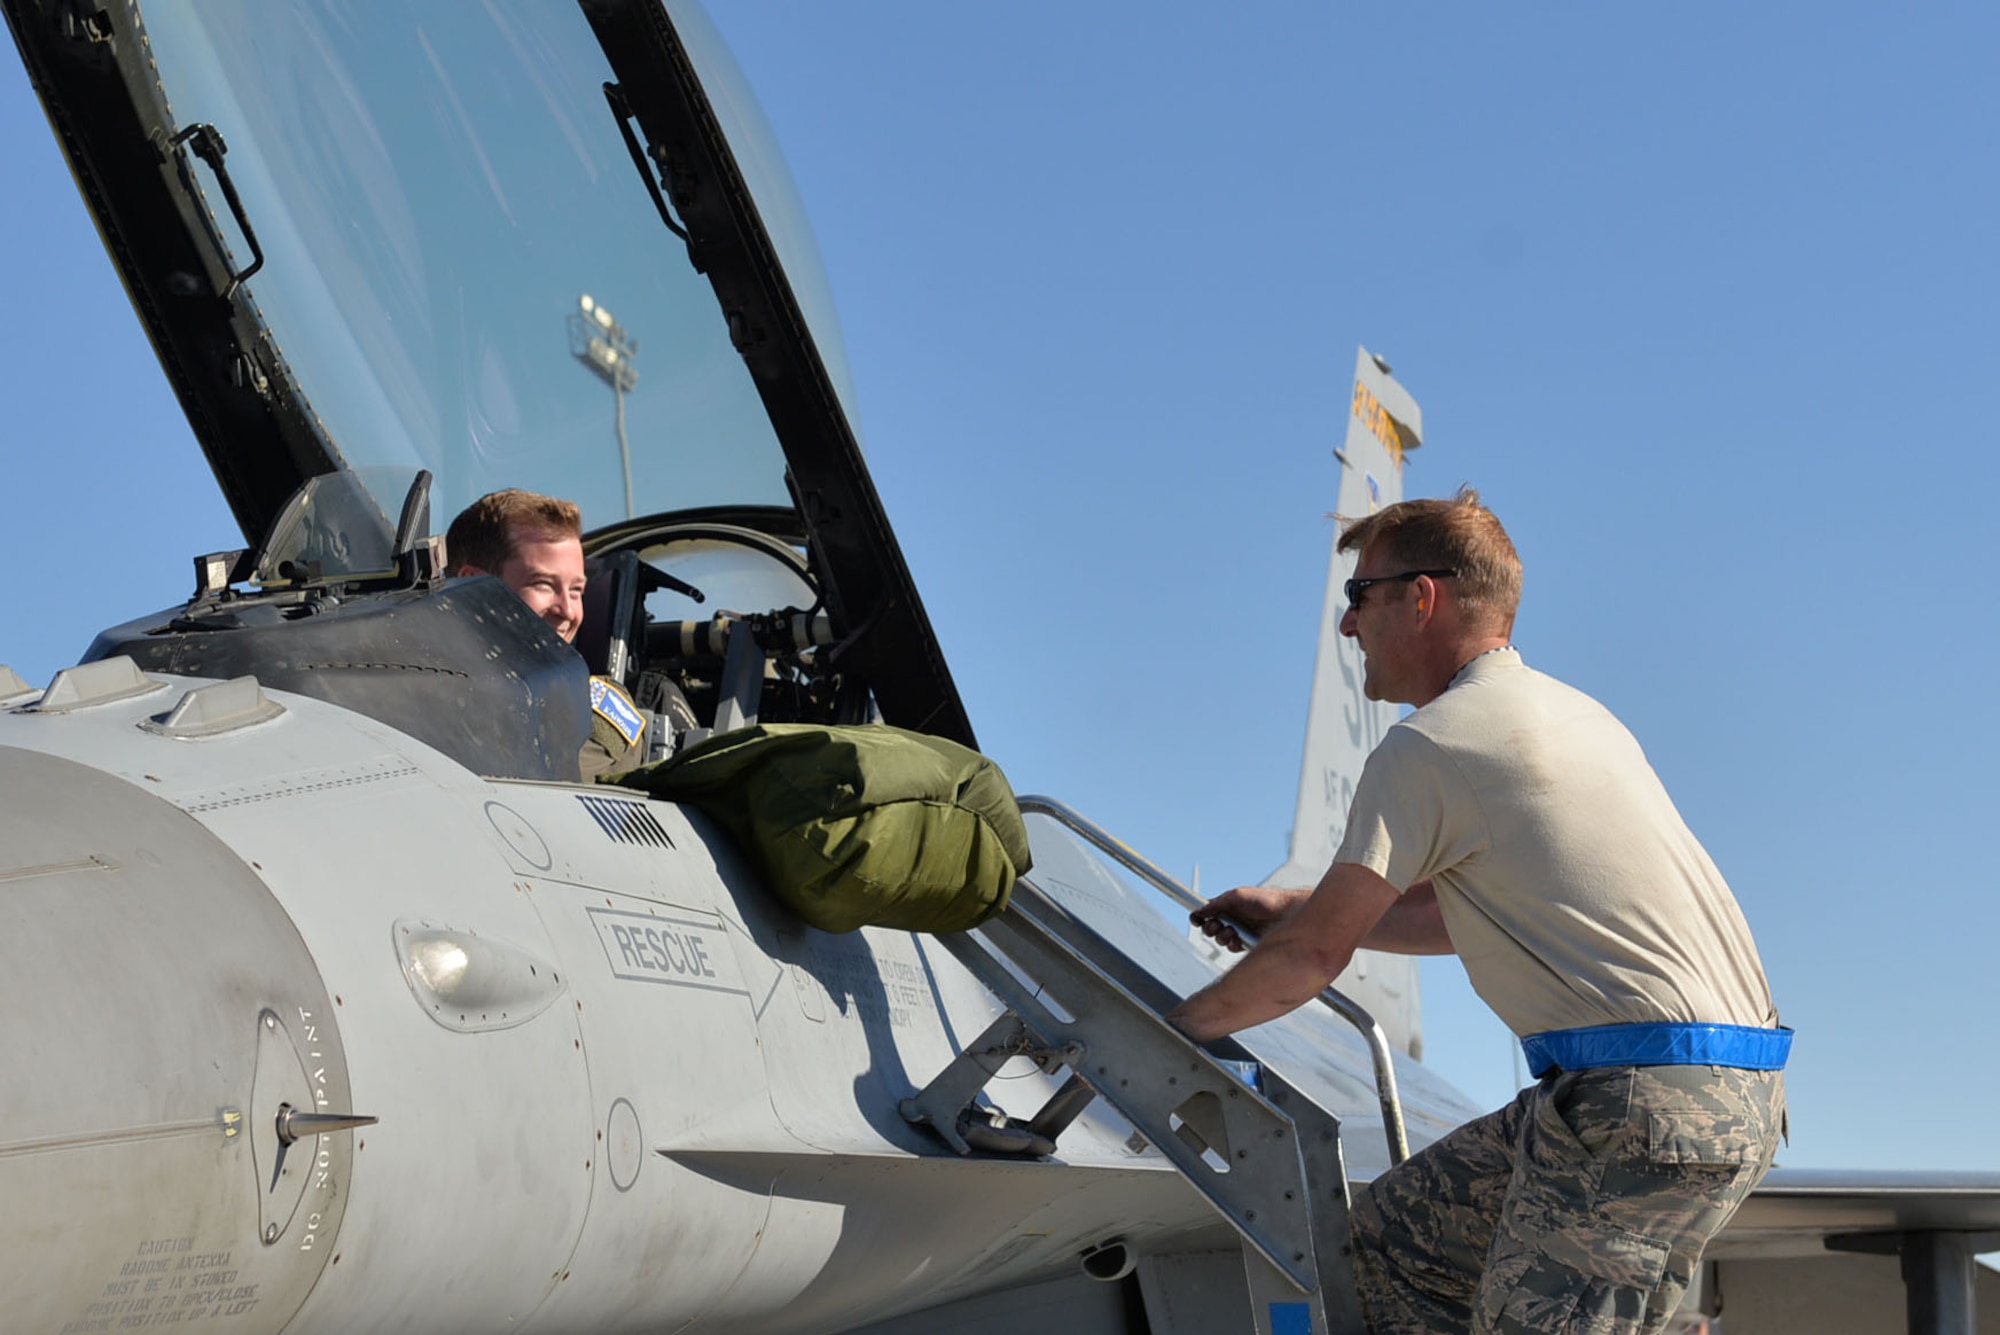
[(157, 1008)]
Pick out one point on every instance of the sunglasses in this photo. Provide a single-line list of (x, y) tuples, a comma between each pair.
[(1354, 588)]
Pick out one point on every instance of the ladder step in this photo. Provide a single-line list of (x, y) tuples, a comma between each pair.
[(1237, 1148)]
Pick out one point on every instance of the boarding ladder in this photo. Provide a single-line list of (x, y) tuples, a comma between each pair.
[(1263, 1154)]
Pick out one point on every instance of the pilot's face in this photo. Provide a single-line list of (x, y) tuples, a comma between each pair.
[(547, 572)]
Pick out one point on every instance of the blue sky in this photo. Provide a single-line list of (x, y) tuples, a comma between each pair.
[(1701, 299)]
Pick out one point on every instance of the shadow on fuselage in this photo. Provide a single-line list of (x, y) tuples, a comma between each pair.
[(849, 969)]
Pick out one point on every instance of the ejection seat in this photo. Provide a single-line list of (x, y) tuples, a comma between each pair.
[(611, 615)]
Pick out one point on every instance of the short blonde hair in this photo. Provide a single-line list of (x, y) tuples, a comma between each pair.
[(1459, 535), (483, 536)]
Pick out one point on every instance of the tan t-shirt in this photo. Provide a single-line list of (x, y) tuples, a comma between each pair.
[(1571, 887)]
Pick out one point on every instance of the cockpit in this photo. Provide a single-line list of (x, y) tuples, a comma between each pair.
[(385, 255), (708, 622), (712, 625)]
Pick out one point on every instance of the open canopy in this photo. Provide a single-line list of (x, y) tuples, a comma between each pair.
[(515, 244)]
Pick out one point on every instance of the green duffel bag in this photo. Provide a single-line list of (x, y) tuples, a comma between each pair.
[(858, 826)]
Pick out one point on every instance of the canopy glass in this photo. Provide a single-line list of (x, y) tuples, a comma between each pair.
[(462, 269)]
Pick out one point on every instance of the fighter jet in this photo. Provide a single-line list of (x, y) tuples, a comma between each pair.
[(332, 1001)]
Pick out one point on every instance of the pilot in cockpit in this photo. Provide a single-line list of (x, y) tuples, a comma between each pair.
[(534, 545)]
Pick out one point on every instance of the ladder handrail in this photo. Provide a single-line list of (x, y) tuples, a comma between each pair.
[(1332, 998)]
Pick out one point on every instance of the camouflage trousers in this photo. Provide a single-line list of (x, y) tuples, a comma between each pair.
[(1584, 1205)]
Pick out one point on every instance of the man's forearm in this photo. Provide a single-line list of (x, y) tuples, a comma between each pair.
[(1287, 970), (1276, 978), (1295, 960)]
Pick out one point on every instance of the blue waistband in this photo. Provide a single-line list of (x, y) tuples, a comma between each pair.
[(1658, 1045)]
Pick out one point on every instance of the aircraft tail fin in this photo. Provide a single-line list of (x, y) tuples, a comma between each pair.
[(1342, 725)]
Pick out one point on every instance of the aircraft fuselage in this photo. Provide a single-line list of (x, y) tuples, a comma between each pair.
[(618, 1087)]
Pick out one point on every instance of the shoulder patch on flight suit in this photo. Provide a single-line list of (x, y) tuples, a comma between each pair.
[(610, 703)]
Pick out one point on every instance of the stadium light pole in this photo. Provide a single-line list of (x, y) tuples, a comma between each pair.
[(601, 343)]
